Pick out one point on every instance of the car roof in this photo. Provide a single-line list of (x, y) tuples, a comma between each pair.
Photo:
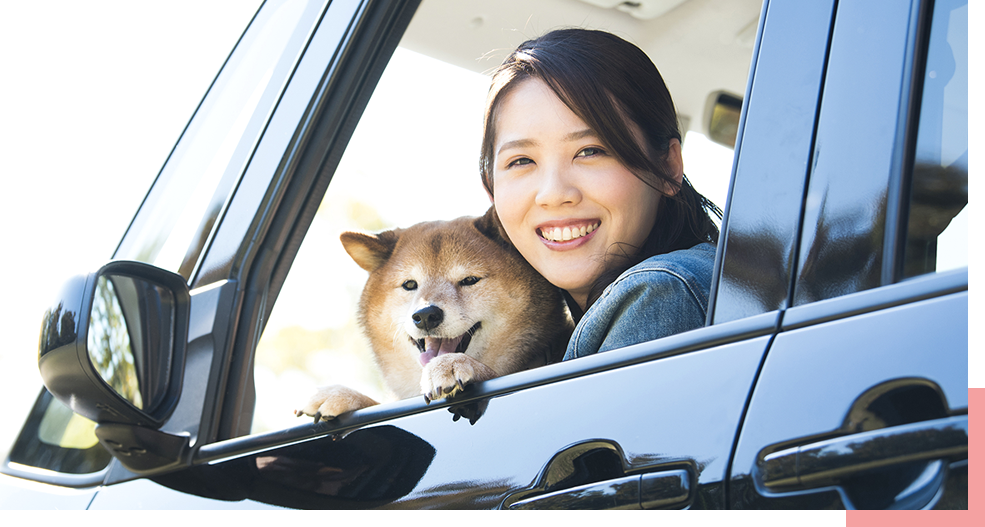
[(701, 47)]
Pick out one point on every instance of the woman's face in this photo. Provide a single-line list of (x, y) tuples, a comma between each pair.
[(564, 201)]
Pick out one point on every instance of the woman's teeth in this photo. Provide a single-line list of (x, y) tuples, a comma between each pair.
[(559, 234)]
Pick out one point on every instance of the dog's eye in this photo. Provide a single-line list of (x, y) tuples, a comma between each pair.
[(409, 285), (469, 280)]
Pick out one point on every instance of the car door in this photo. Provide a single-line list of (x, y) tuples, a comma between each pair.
[(862, 401)]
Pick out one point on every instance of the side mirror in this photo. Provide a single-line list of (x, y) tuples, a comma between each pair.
[(722, 112), (112, 348)]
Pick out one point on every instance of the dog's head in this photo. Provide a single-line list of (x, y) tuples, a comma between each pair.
[(450, 287)]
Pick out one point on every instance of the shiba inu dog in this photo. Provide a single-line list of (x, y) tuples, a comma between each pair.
[(446, 304)]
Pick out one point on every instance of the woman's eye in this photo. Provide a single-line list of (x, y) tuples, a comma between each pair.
[(520, 162), (590, 151), (409, 285), (469, 280)]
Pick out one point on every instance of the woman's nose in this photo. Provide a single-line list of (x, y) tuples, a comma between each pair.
[(557, 188)]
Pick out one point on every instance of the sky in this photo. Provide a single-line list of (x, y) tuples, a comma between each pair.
[(92, 99)]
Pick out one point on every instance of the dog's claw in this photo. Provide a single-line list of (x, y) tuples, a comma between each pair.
[(317, 417), (461, 385), (427, 400)]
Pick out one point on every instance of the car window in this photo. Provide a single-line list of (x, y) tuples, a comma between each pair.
[(410, 159), (216, 146), (937, 231), (55, 438), (413, 157)]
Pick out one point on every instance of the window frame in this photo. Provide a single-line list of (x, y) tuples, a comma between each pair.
[(889, 152)]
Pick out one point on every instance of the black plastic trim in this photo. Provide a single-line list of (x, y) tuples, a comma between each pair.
[(915, 289)]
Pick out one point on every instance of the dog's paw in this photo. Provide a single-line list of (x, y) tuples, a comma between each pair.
[(330, 402), (471, 411), (449, 374)]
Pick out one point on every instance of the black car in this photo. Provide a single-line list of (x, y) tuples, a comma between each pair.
[(832, 371)]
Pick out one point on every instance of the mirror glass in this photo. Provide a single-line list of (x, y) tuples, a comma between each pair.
[(129, 335), (724, 119)]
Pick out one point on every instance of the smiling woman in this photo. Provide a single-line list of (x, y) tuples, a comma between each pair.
[(581, 133), (561, 183)]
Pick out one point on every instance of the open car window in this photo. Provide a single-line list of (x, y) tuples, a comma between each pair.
[(414, 157)]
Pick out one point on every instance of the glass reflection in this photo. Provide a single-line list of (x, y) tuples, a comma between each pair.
[(937, 230), (109, 343), (212, 153)]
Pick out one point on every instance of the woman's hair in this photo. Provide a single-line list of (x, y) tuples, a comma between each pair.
[(609, 83)]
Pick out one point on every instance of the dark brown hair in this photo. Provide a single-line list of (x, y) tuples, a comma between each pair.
[(608, 83)]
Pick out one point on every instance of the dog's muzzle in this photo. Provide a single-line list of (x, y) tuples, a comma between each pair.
[(432, 347)]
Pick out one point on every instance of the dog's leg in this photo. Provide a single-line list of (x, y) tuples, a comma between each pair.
[(330, 402), (448, 374)]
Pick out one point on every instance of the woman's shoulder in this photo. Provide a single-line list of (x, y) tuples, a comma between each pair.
[(692, 266), (699, 259), (660, 296)]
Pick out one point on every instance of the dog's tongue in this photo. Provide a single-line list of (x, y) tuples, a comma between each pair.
[(434, 347)]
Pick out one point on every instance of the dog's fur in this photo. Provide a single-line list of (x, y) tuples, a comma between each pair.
[(422, 299)]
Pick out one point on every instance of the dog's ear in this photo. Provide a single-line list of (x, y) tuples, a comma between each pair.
[(370, 251), (489, 225)]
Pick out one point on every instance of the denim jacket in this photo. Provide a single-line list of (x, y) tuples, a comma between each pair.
[(662, 295)]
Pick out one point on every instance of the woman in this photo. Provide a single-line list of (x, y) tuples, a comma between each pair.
[(581, 156)]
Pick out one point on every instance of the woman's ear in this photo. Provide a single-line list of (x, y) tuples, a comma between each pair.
[(675, 162)]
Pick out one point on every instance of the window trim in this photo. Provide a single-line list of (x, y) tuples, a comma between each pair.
[(912, 290), (904, 152)]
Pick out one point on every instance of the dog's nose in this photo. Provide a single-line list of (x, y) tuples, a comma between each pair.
[(428, 318)]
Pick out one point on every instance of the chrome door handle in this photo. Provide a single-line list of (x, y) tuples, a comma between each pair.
[(654, 490), (828, 462)]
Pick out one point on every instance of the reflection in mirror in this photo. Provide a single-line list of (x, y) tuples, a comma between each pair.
[(130, 337), (723, 110), (109, 343)]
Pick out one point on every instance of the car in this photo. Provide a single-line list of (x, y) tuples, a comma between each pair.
[(832, 371)]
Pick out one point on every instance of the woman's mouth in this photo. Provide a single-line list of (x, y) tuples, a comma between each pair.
[(567, 233)]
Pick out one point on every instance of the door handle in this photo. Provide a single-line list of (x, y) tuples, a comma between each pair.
[(829, 462), (655, 490)]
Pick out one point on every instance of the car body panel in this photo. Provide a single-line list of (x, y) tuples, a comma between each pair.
[(20, 493), (661, 428), (776, 137), (858, 151), (815, 375)]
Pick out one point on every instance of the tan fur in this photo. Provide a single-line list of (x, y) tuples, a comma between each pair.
[(523, 320)]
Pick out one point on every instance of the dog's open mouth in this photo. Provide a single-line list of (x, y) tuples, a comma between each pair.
[(432, 347)]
